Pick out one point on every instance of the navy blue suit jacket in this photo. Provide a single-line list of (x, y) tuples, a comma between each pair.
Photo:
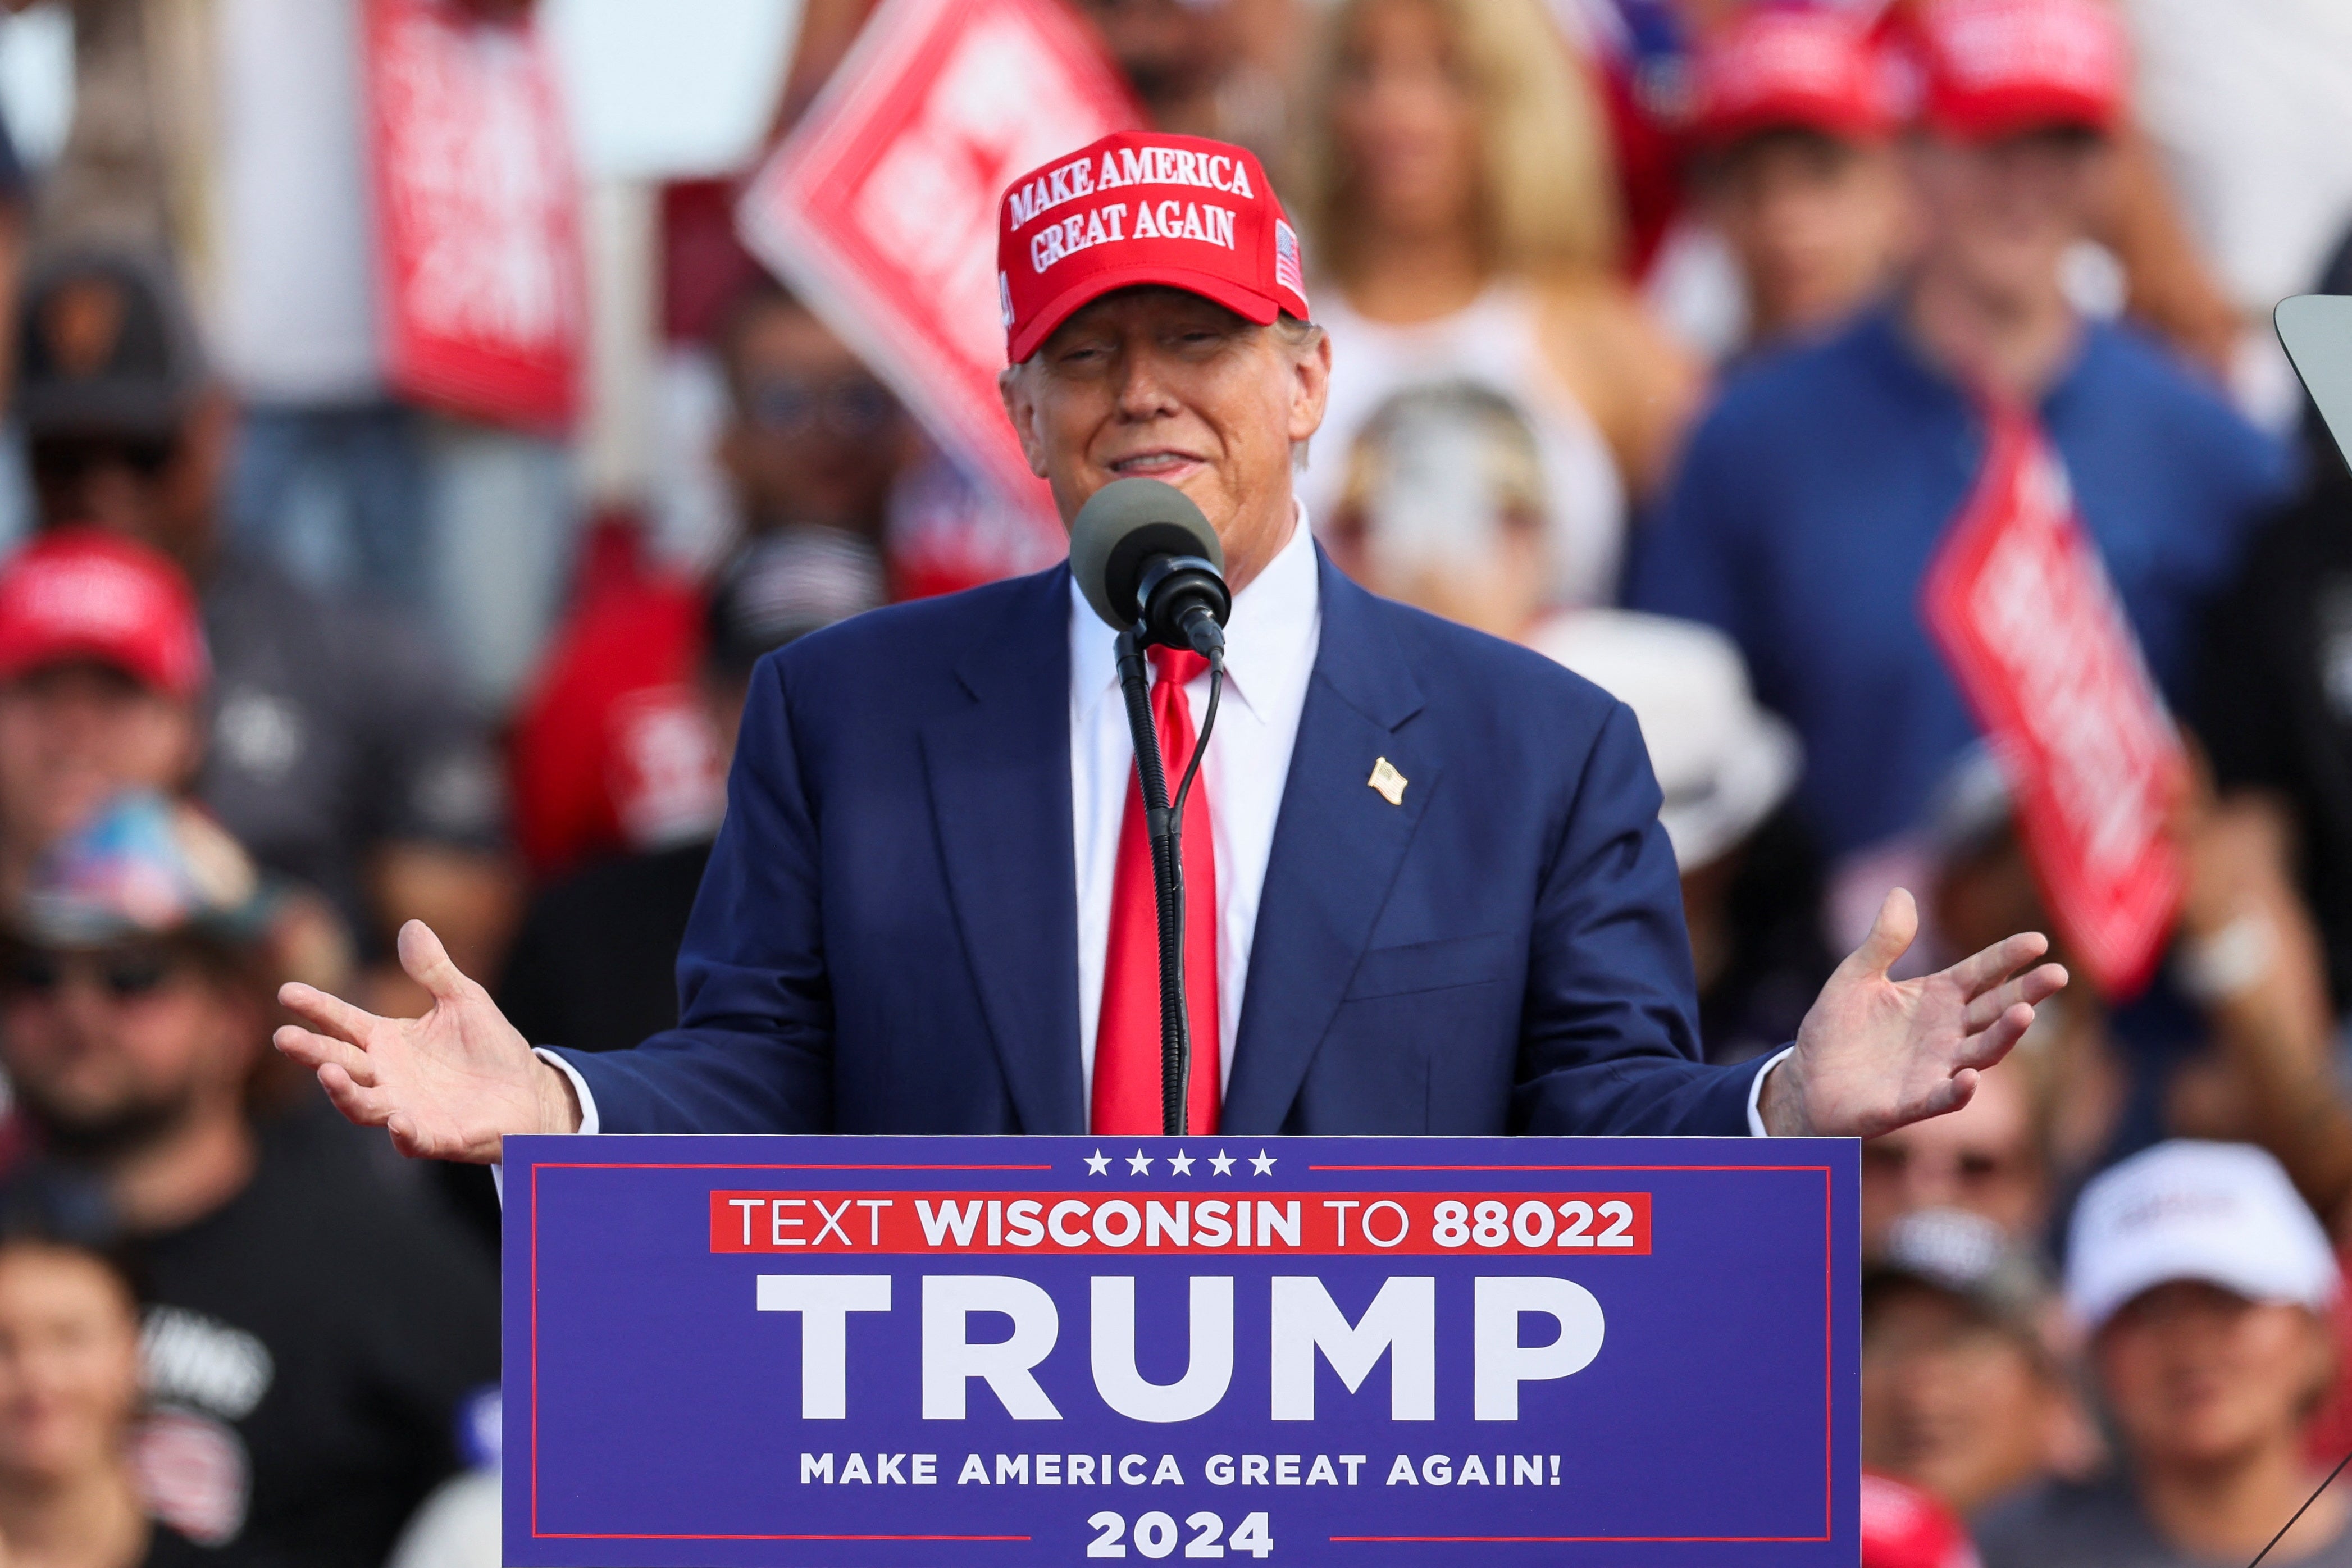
[(887, 938)]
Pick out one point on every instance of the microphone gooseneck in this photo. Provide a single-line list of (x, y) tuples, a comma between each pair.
[(1149, 564)]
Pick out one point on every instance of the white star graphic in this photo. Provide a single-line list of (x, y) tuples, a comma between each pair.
[(1097, 1163), (1222, 1163), (1180, 1163), (1263, 1164), (1138, 1162)]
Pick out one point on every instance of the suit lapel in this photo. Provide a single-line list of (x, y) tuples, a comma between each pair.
[(1338, 843), (999, 772)]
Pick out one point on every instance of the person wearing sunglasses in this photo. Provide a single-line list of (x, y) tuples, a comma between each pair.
[(311, 1332), (812, 438), (614, 752), (326, 728)]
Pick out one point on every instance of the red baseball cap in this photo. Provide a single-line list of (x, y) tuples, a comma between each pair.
[(1903, 1527), (2000, 68), (1139, 208), (1779, 69), (80, 594)]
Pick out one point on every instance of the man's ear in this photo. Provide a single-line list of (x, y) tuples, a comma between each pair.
[(1310, 388), (1020, 408)]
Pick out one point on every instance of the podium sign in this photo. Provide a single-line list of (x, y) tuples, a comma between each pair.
[(934, 1351)]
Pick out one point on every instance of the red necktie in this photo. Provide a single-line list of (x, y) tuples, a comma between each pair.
[(1126, 1046)]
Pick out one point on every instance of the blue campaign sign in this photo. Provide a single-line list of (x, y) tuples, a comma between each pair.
[(901, 1352)]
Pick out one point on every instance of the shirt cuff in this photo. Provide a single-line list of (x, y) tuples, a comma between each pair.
[(1756, 1091), (589, 1123)]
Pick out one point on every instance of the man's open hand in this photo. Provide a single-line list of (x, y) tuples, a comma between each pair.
[(449, 1086), (1874, 1054)]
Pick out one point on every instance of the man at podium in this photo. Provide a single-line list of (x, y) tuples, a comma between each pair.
[(1428, 891)]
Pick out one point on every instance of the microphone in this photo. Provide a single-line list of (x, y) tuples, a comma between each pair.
[(1146, 559), (1150, 565)]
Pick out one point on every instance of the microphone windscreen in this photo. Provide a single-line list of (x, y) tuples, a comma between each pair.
[(1124, 525), (2317, 331)]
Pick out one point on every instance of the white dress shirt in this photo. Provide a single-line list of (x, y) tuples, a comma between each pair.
[(1271, 641)]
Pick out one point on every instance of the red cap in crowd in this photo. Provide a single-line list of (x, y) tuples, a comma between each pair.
[(1777, 68), (1903, 1527), (1139, 207), (80, 593), (2001, 68)]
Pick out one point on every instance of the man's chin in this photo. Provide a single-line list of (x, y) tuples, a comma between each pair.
[(1201, 482), (94, 1133)]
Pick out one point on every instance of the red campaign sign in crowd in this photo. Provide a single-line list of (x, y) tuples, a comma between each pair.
[(1509, 1224), (476, 216), (880, 208), (2028, 620)]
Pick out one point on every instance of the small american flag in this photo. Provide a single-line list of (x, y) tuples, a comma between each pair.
[(1286, 270)]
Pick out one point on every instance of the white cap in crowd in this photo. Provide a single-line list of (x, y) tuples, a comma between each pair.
[(1722, 761), (2224, 1214)]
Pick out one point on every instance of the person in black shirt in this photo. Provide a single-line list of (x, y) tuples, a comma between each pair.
[(315, 1335), (594, 963), (2272, 699), (68, 1396)]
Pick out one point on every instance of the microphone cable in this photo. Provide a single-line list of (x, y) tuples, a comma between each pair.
[(2314, 1497), (1216, 655)]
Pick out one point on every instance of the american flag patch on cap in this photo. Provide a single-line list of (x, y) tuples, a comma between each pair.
[(1288, 273)]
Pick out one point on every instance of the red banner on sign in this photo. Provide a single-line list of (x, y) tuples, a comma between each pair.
[(1518, 1224), (476, 216), (880, 208), (2028, 620)]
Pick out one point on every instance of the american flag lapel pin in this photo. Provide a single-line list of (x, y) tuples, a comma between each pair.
[(1387, 782)]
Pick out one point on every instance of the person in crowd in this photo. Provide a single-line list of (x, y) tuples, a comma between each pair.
[(338, 745), (1204, 67), (102, 684), (2246, 1050), (1750, 879), (595, 963), (1814, 495), (1986, 1160), (1457, 180), (2201, 1282), (102, 679), (614, 749), (228, 142), (2271, 700), (1962, 1391), (1444, 508), (69, 1401), (1798, 171), (313, 1331), (2244, 111)]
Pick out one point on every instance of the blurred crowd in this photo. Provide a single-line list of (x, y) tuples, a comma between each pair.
[(1664, 336)]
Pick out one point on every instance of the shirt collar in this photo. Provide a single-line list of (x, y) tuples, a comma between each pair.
[(1269, 637)]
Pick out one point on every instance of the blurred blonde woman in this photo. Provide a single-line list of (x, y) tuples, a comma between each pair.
[(1459, 188)]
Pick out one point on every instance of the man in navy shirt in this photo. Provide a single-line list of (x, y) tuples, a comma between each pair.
[(1814, 496)]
